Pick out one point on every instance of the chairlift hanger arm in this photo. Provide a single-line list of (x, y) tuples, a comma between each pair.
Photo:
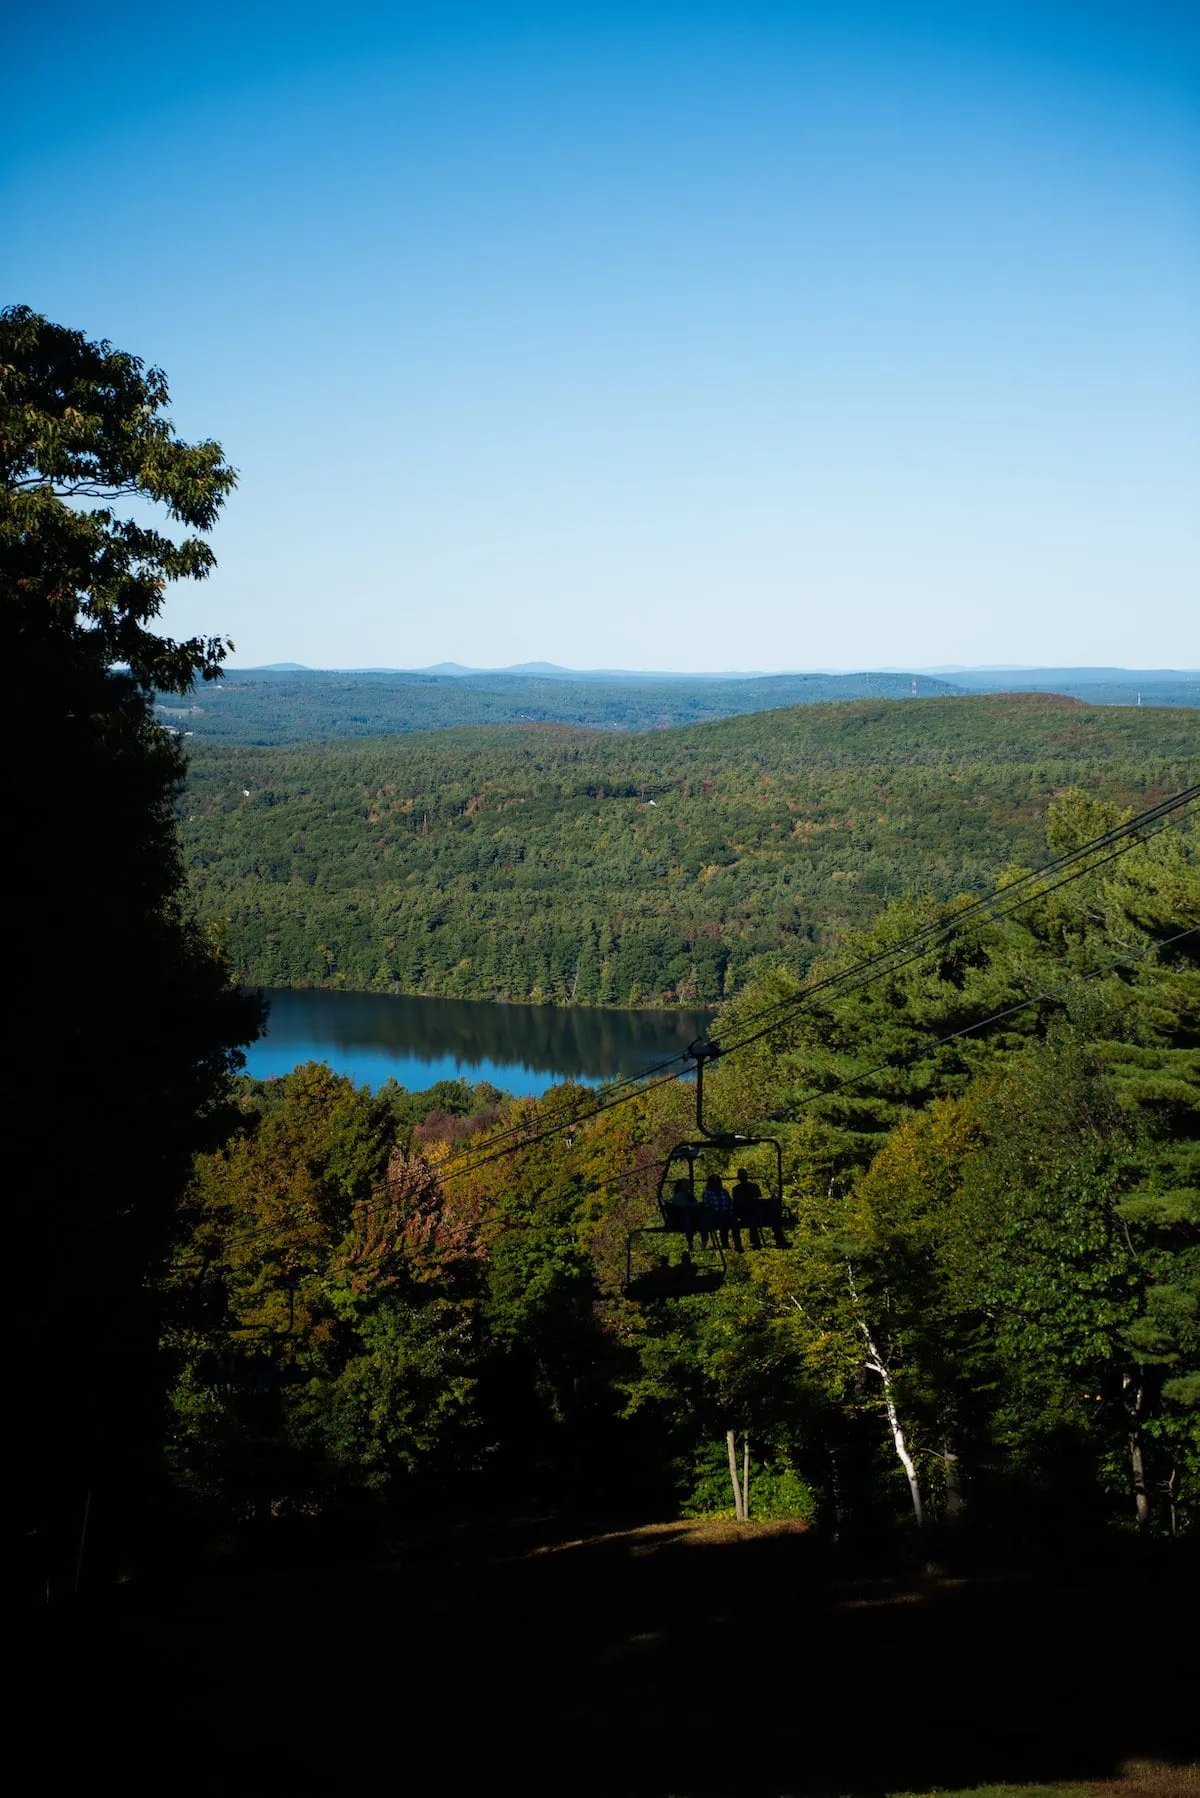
[(706, 1049), (701, 1051)]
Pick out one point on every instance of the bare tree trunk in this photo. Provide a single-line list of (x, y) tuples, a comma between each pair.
[(83, 1534), (954, 1491), (950, 1461), (835, 1491), (877, 1365), (1134, 1396), (733, 1474), (745, 1479)]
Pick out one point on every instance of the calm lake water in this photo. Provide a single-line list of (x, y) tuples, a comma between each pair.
[(522, 1048)]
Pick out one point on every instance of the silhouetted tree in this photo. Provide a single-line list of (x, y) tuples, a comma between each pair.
[(121, 1015)]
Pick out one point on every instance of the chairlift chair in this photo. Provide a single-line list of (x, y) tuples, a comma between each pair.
[(678, 1219), (727, 1142), (670, 1279)]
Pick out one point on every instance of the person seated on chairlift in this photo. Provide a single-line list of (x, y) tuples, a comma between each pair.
[(668, 1277), (722, 1215), (685, 1211), (684, 1273), (753, 1209), (747, 1206), (656, 1278)]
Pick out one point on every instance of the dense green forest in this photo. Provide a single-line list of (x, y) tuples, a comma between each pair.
[(557, 864), (259, 706), (989, 1309)]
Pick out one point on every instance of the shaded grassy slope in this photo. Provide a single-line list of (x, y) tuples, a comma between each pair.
[(679, 1661)]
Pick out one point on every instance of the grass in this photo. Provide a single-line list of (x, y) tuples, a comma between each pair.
[(694, 1659), (1140, 1780)]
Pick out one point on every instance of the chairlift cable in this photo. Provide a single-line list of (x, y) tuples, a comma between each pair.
[(714, 1225), (995, 1017), (811, 1098), (930, 934), (899, 954), (867, 971), (799, 1002), (858, 976), (934, 932), (998, 1017)]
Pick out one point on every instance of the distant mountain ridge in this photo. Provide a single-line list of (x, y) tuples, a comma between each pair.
[(1060, 679), (268, 706), (995, 677), (290, 704)]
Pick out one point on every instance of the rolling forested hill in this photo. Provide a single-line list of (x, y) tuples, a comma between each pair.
[(299, 705), (293, 705), (551, 863)]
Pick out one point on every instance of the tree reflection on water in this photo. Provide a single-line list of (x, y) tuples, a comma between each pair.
[(581, 1042)]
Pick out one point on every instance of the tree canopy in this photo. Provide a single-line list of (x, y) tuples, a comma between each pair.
[(658, 869), (82, 427), (119, 1004), (989, 1306)]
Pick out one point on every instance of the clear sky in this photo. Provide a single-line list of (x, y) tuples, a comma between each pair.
[(660, 335)]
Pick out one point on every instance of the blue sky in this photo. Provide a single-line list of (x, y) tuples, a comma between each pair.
[(770, 336)]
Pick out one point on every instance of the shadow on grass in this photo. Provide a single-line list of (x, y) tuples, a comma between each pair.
[(677, 1661)]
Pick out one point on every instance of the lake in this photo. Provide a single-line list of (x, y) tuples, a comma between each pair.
[(521, 1048)]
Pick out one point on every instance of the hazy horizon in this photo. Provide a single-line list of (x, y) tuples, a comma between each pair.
[(533, 667)]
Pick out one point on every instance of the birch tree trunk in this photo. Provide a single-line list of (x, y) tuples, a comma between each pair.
[(902, 1454), (731, 1445), (745, 1479), (876, 1364)]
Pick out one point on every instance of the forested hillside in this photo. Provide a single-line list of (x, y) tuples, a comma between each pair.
[(558, 864), (987, 1314), (299, 705)]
